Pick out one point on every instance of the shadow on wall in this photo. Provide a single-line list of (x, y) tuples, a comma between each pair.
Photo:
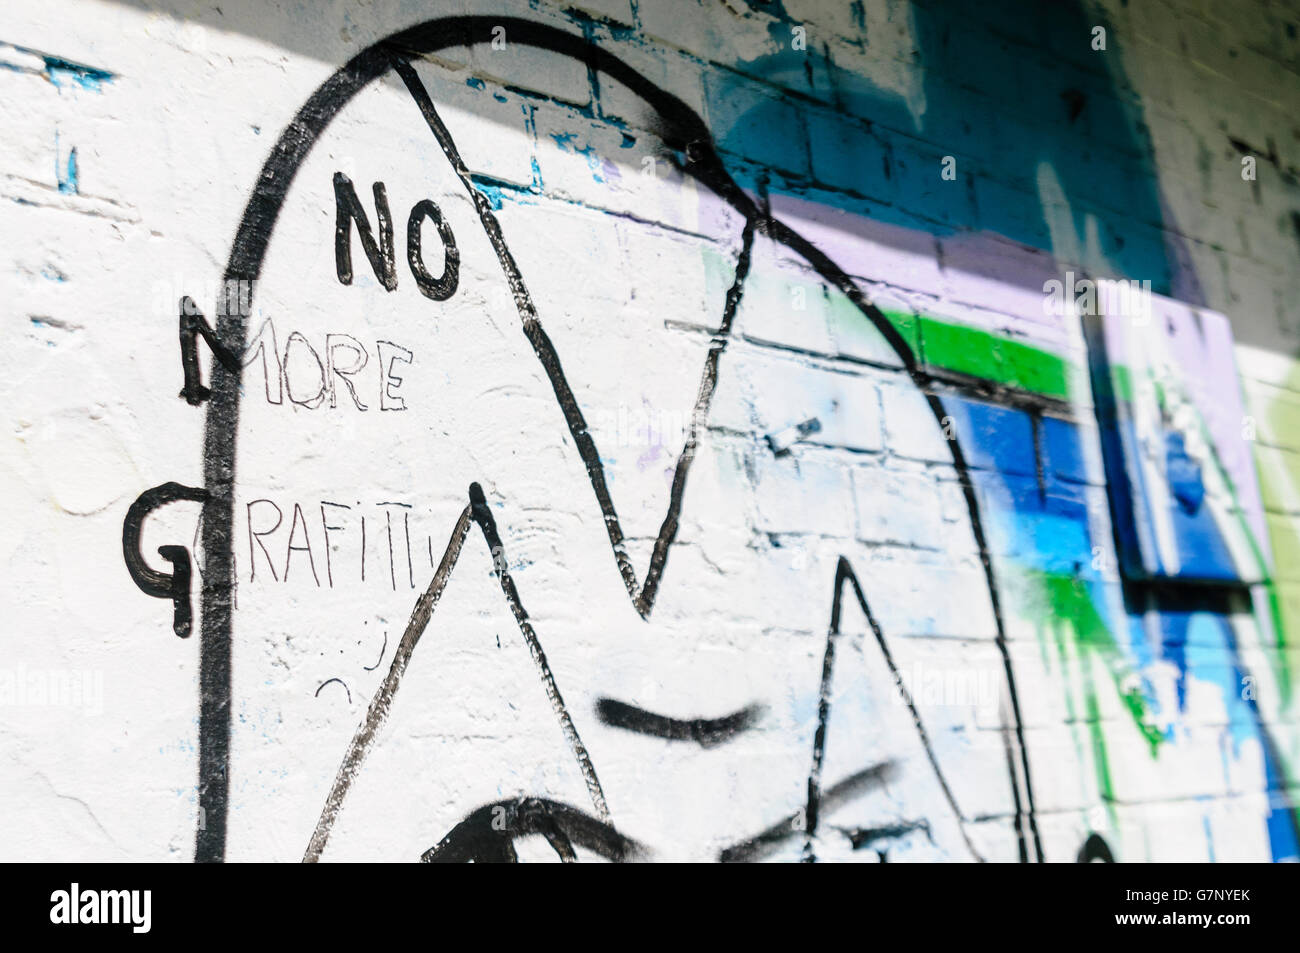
[(1050, 147)]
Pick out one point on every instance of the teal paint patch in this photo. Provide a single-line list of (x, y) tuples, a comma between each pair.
[(59, 71), (490, 190), (64, 72), (600, 169), (564, 140), (497, 191)]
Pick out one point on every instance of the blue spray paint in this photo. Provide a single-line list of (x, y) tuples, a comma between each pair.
[(65, 172), (63, 72)]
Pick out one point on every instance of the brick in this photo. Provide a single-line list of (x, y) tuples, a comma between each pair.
[(749, 120), (897, 506), (762, 393)]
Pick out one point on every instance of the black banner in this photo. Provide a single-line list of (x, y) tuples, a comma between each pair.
[(137, 903)]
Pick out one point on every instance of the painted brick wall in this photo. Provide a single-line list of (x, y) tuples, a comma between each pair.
[(719, 454)]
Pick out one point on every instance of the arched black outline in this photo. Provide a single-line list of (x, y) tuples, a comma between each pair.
[(488, 834), (330, 681), (685, 133), (1096, 849)]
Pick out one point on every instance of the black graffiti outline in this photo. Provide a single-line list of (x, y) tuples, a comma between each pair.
[(330, 681), (705, 732), (1095, 850), (687, 135), (792, 825), (644, 600), (846, 577), (383, 649), (477, 512), (488, 834)]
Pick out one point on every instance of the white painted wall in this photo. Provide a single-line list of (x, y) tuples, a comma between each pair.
[(629, 273)]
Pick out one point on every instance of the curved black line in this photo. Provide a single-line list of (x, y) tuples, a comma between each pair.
[(220, 430), (1015, 790), (682, 131), (1096, 849), (382, 650), (705, 732), (329, 681), (488, 834)]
